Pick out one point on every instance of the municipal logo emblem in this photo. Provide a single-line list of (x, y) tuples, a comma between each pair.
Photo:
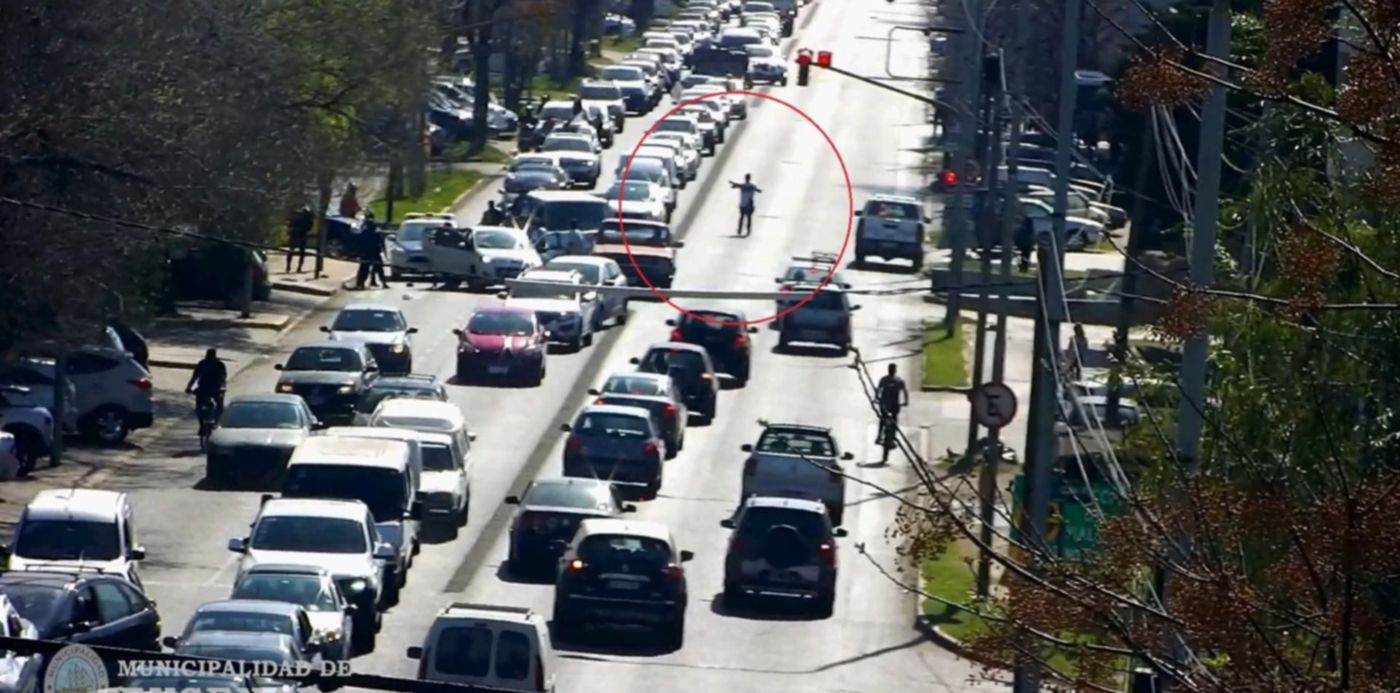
[(75, 669)]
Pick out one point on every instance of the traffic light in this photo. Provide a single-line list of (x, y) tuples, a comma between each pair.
[(823, 58), (804, 66), (948, 178)]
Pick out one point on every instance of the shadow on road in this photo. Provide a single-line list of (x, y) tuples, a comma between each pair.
[(619, 642), (765, 609)]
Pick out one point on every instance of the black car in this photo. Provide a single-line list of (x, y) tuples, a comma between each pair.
[(90, 608), (622, 572), (331, 376), (724, 336), (667, 415), (690, 366), (550, 513), (412, 386), (208, 682)]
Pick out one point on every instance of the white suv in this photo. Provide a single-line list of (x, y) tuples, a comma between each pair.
[(522, 657), (83, 529), (113, 391)]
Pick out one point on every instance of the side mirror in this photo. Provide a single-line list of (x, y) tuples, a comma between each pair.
[(459, 333), (326, 329), (238, 545), (566, 428), (629, 508), (374, 367), (502, 294), (412, 330), (678, 244), (634, 361), (777, 280), (928, 220), (670, 322), (471, 437), (351, 608), (859, 212), (839, 532), (384, 552), (847, 456), (415, 511), (727, 523), (169, 641), (319, 425), (414, 652), (595, 392), (753, 330), (137, 554), (855, 308), (265, 498), (277, 367), (746, 447), (687, 556), (512, 500)]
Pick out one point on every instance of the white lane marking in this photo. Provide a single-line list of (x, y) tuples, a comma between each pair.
[(219, 575)]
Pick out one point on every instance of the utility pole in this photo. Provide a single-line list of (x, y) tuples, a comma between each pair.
[(1041, 442), (987, 141), (1129, 286), (956, 219)]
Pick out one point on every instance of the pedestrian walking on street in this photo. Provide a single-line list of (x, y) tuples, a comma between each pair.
[(492, 216), (350, 202), (893, 396), (747, 191), (371, 247), (298, 233)]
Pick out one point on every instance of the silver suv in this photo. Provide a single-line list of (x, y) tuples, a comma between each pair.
[(783, 548)]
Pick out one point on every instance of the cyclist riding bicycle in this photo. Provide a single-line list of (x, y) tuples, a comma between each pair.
[(893, 396), (207, 384)]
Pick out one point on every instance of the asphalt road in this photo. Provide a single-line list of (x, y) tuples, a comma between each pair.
[(869, 644)]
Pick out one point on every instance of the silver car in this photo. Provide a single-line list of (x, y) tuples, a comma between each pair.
[(313, 589), (256, 436)]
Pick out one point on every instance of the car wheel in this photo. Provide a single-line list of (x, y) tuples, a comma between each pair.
[(107, 425), (461, 519), (587, 340), (621, 318), (28, 444), (845, 350), (576, 344), (216, 476)]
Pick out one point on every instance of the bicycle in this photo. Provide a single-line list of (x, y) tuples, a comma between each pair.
[(887, 437), (207, 411)]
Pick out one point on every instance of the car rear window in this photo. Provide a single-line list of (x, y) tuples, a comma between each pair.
[(892, 210), (826, 300), (663, 360), (632, 386), (512, 656), (616, 550), (614, 424), (757, 521), (716, 322), (793, 442), (464, 651), (568, 496)]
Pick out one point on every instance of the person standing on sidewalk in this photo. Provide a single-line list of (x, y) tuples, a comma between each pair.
[(1078, 349), (350, 202), (298, 233), (893, 396), (747, 191)]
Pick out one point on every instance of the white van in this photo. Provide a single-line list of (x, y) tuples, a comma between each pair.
[(375, 472), (413, 439), (71, 528), (491, 646)]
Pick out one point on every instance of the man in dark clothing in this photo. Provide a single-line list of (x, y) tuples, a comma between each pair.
[(1025, 243), (298, 232), (578, 106), (492, 216), (747, 191), (207, 384), (893, 396), (371, 249)]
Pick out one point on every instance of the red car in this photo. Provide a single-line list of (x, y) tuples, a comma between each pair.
[(502, 343)]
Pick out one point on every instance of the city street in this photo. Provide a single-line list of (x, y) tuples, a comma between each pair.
[(870, 643)]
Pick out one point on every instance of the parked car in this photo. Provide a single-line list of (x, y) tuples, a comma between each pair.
[(83, 606), (33, 429), (205, 270), (112, 391), (256, 436), (797, 461), (783, 548), (25, 672), (618, 444), (548, 514)]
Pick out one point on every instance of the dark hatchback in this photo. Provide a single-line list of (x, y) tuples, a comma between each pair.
[(619, 444), (549, 514), (666, 414), (330, 376), (84, 607), (724, 337), (690, 367), (412, 386)]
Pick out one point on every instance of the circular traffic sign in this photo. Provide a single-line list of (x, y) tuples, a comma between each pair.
[(993, 404)]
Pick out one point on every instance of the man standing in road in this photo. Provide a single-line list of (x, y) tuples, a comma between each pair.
[(893, 396), (298, 232), (371, 247), (492, 216), (747, 190)]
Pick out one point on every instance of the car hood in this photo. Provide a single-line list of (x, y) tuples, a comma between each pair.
[(640, 206), (548, 305), (439, 482), (263, 437), (369, 337), (577, 157), (338, 564), (523, 255), (641, 250), (498, 342), (326, 621), (318, 377)]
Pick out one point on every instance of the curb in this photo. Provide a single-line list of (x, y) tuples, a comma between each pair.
[(968, 354), (269, 323), (184, 364), (306, 289)]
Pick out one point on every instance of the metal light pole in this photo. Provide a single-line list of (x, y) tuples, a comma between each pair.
[(957, 218)]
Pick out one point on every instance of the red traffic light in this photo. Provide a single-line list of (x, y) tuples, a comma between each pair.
[(804, 57), (824, 58), (948, 177)]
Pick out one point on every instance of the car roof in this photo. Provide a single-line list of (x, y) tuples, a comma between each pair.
[(256, 606), (333, 344), (314, 507), (628, 395), (370, 306), (581, 259), (372, 432), (236, 638), (81, 504), (56, 579), (435, 438), (287, 569), (739, 31), (565, 196), (639, 223), (677, 346), (796, 427), (637, 528), (553, 275), (568, 482), (267, 398), (902, 199), (788, 503), (490, 612), (706, 310), (641, 374), (391, 454), (427, 381), (618, 409)]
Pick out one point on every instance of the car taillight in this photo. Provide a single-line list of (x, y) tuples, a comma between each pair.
[(600, 400), (675, 572), (828, 553), (574, 443), (649, 449), (576, 567), (750, 466), (141, 383), (670, 410), (675, 335)]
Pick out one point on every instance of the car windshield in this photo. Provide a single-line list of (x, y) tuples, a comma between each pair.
[(501, 323), (368, 321), (588, 214), (261, 415), (412, 231), (546, 290), (637, 234), (543, 169), (302, 534), (554, 143), (324, 359), (600, 92), (42, 605), (242, 654), (531, 162), (676, 125), (796, 442), (304, 590), (609, 552), (240, 621), (675, 138), (632, 192), (622, 384), (699, 113), (592, 274), (622, 73), (897, 211), (582, 496), (437, 457), (495, 240), (755, 522), (620, 425), (665, 360), (67, 540), (379, 488), (759, 51)]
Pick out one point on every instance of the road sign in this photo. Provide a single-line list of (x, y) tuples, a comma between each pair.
[(993, 405)]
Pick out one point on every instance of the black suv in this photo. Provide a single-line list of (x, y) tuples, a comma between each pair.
[(692, 370), (783, 548), (331, 376), (622, 572), (86, 607), (724, 336), (550, 512)]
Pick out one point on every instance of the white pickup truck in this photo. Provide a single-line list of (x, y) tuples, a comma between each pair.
[(797, 461)]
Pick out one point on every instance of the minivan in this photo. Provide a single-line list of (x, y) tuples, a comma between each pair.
[(504, 647), (72, 528), (411, 438), (375, 472), (558, 210)]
